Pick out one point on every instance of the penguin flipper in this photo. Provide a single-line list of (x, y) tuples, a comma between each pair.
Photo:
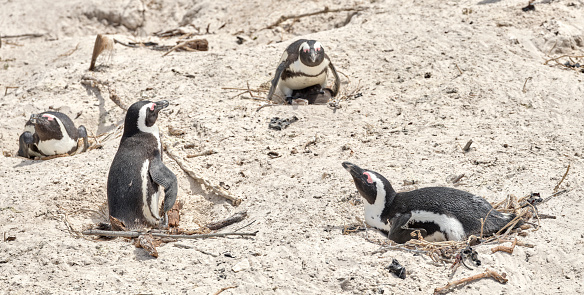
[(283, 65), (83, 133), (336, 75), (164, 177), (24, 141), (400, 232)]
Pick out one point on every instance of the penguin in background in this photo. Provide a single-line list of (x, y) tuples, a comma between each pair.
[(137, 174), (303, 64), (49, 134), (439, 213)]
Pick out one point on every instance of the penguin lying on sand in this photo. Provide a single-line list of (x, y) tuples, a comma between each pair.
[(439, 213), (137, 173), (49, 134), (303, 64)]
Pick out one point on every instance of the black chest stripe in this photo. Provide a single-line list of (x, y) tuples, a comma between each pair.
[(289, 74)]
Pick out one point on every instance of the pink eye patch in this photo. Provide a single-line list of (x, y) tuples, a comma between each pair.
[(369, 179), (49, 117), (152, 107)]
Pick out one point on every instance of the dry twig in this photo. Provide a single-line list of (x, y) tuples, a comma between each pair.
[(284, 18), (505, 248), (135, 234), (203, 153), (223, 289), (191, 45), (237, 217), (22, 36), (562, 180), (487, 274)]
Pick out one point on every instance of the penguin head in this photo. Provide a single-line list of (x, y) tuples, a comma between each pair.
[(370, 184), (141, 117), (46, 126), (311, 53)]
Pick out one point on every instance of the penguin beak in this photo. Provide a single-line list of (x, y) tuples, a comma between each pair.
[(355, 170), (367, 191), (34, 118), (161, 105), (313, 54)]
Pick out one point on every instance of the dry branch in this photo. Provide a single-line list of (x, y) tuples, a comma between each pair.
[(505, 248), (223, 289), (68, 53), (237, 217), (562, 180), (284, 18), (22, 35), (135, 234), (487, 274), (203, 153), (191, 45), (216, 189)]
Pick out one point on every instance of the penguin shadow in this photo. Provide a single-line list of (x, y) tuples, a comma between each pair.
[(197, 189), (26, 162), (101, 127)]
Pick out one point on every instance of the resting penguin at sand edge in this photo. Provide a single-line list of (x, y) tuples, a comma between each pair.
[(303, 64), (137, 174), (49, 134), (439, 213)]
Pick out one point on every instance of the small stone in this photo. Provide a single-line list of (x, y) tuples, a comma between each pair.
[(242, 265)]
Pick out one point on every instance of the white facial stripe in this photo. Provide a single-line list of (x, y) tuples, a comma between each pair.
[(373, 211), (146, 210), (54, 146), (317, 45), (449, 225), (142, 124), (304, 47)]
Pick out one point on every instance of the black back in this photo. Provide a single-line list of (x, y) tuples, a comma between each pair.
[(124, 186), (464, 206)]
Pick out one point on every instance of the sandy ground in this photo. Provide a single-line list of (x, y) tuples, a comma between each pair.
[(434, 74)]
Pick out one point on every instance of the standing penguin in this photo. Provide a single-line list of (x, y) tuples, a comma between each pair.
[(439, 213), (137, 173), (303, 64), (49, 134)]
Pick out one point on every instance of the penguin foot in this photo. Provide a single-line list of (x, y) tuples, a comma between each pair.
[(163, 222), (300, 101), (289, 99)]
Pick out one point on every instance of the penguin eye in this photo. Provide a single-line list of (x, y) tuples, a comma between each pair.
[(305, 50), (317, 48), (152, 107), (50, 118), (369, 179)]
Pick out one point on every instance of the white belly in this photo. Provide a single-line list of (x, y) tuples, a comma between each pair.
[(449, 225), (56, 147)]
